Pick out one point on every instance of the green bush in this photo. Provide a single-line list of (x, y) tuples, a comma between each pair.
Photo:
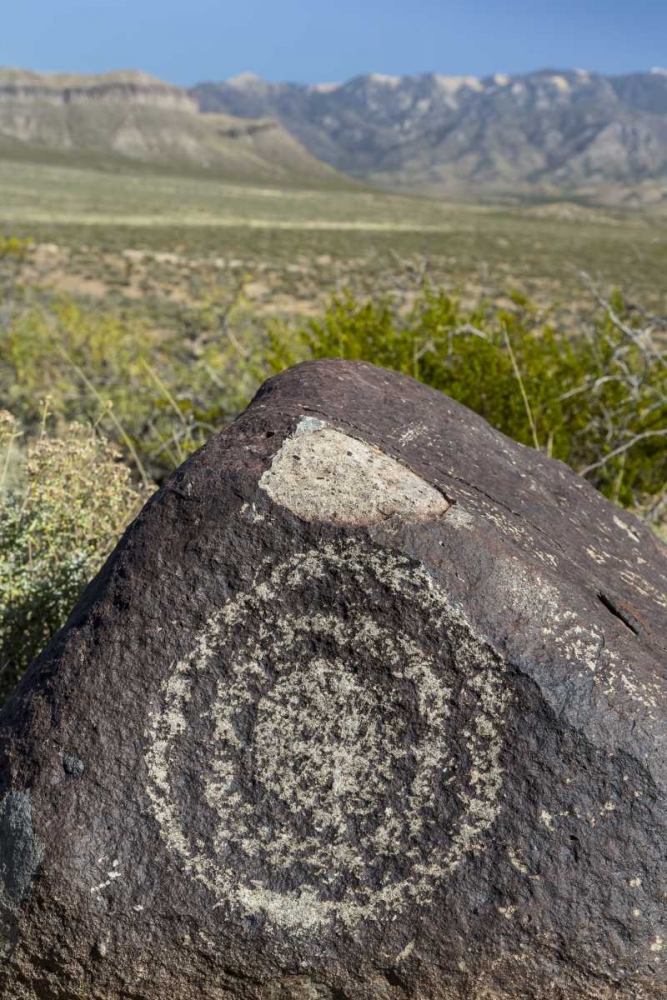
[(64, 501), (161, 390), (13, 248), (597, 400)]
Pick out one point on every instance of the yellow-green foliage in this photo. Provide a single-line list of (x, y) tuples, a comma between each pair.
[(161, 391), (158, 385), (597, 401), (11, 247), (64, 501)]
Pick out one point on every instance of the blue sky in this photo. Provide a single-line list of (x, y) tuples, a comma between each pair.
[(187, 41)]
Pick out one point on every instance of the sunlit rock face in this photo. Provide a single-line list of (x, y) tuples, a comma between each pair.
[(22, 87), (368, 703), (537, 132), (130, 117)]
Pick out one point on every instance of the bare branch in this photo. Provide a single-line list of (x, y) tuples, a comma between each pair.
[(623, 448)]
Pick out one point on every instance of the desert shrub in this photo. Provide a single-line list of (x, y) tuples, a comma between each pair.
[(64, 501), (162, 390), (13, 247), (596, 400)]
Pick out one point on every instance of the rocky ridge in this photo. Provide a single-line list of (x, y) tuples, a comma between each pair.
[(126, 87), (125, 118), (547, 131)]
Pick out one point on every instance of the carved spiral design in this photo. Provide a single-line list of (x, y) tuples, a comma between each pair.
[(329, 750)]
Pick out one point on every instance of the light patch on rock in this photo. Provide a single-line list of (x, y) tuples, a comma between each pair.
[(546, 819), (547, 557), (407, 951), (516, 861), (322, 474), (412, 432), (109, 879), (250, 513), (599, 557), (626, 528), (643, 587), (459, 517), (532, 595)]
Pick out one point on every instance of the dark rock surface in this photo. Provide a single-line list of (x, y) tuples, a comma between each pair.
[(368, 703)]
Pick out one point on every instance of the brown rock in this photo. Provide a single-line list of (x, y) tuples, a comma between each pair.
[(368, 703)]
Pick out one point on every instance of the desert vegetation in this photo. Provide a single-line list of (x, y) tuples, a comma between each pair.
[(66, 496), (125, 344)]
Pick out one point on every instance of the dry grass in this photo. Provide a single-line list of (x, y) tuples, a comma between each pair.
[(302, 244)]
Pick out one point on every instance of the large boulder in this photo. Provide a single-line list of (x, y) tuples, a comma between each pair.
[(369, 702)]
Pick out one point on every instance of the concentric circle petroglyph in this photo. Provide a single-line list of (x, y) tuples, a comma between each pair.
[(330, 749)]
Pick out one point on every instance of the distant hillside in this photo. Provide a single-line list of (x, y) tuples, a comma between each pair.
[(130, 117), (543, 132)]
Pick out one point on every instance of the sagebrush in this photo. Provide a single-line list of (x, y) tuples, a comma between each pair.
[(131, 397), (65, 499)]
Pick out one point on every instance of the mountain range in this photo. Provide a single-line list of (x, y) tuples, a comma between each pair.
[(544, 132), (126, 119)]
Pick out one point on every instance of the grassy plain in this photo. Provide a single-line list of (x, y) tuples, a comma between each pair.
[(169, 298), (300, 245)]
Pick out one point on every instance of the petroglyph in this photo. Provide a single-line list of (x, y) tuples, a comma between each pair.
[(336, 746), (425, 758), (322, 474)]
